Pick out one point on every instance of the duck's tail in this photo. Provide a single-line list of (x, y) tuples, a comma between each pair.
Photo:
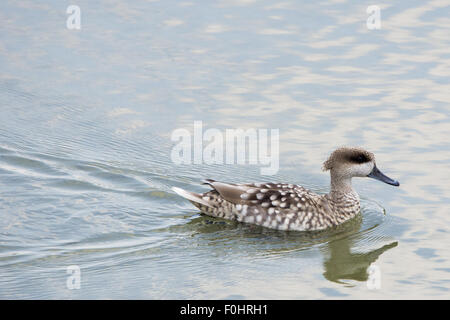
[(195, 198)]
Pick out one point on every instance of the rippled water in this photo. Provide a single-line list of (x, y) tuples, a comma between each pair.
[(86, 118)]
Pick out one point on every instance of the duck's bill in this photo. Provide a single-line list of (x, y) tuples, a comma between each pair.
[(377, 174)]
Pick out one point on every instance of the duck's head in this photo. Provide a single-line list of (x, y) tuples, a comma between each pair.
[(348, 162)]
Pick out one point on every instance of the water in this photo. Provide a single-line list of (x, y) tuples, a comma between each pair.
[(85, 127)]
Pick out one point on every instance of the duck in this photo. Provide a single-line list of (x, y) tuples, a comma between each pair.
[(286, 206)]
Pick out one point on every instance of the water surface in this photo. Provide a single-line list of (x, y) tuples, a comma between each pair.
[(86, 118)]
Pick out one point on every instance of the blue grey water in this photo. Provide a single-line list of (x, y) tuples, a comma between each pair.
[(86, 118)]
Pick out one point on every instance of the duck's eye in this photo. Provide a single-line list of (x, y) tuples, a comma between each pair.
[(359, 158)]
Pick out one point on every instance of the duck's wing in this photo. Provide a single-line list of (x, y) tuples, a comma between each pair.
[(229, 191), (274, 205), (266, 195)]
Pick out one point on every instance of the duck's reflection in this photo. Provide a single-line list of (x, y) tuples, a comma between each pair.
[(342, 264)]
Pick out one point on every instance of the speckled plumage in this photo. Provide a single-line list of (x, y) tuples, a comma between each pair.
[(286, 206), (281, 206)]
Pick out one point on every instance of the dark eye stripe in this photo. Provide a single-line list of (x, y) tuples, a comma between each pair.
[(359, 158)]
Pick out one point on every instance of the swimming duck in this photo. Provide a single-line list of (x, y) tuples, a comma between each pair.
[(287, 206)]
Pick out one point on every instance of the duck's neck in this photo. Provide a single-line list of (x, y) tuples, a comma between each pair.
[(341, 185), (344, 199)]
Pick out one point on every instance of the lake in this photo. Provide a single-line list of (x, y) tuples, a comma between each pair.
[(90, 98)]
